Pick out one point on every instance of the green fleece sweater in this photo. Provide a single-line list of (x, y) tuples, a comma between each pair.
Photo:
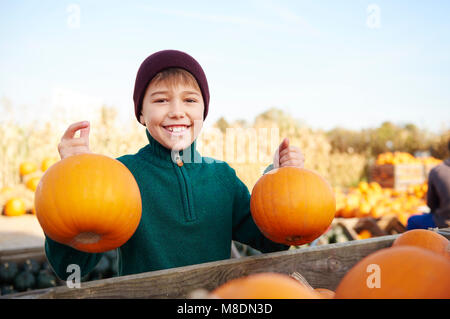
[(190, 214)]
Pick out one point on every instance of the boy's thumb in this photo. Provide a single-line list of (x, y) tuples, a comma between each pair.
[(284, 144), (84, 132)]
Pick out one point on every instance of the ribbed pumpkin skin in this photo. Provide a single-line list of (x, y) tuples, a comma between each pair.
[(426, 239), (92, 195), (265, 286), (292, 206), (406, 272)]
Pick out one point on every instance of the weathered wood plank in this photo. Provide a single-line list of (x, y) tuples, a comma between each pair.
[(398, 176), (444, 232), (322, 266), (22, 254)]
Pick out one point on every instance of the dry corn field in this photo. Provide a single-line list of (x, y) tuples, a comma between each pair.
[(247, 149)]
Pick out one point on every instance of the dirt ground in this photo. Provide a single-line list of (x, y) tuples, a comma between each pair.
[(20, 232)]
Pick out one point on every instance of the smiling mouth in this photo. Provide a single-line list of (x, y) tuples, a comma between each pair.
[(177, 129)]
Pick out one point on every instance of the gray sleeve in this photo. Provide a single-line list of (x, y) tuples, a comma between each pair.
[(432, 198)]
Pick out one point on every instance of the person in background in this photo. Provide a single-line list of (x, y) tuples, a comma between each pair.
[(438, 199)]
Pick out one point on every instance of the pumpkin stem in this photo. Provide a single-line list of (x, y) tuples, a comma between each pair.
[(87, 238), (297, 276), (293, 239)]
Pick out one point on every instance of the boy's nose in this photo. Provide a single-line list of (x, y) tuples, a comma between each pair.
[(176, 109)]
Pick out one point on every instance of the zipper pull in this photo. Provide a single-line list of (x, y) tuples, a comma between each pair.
[(178, 159)]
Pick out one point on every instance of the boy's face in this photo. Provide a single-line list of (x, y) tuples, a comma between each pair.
[(170, 112)]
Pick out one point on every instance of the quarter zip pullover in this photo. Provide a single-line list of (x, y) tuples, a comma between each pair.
[(192, 208)]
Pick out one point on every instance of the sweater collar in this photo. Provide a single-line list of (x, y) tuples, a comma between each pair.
[(165, 155)]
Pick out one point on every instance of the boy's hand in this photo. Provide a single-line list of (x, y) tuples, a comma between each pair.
[(286, 155), (70, 145)]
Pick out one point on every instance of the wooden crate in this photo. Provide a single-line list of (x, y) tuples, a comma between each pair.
[(398, 176), (386, 225), (20, 255), (322, 266)]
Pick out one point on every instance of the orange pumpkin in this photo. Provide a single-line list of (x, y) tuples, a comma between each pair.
[(32, 183), (426, 239), (402, 272), (325, 293), (377, 211), (403, 218), (15, 207), (90, 202), (26, 168), (265, 286), (364, 234), (47, 162), (292, 206), (364, 209)]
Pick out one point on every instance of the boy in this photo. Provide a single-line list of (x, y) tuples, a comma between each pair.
[(192, 206)]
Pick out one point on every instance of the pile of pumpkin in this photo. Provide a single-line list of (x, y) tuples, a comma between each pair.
[(289, 205), (370, 199), (19, 199), (416, 266), (395, 158), (32, 274)]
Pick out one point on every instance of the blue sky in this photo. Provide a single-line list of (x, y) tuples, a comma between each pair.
[(328, 63)]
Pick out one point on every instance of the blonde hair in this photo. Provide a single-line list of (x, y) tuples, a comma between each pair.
[(175, 76)]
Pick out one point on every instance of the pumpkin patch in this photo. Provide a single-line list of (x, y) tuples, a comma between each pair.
[(395, 158), (362, 199), (372, 200)]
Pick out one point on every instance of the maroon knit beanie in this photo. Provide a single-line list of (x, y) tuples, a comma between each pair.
[(161, 60)]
